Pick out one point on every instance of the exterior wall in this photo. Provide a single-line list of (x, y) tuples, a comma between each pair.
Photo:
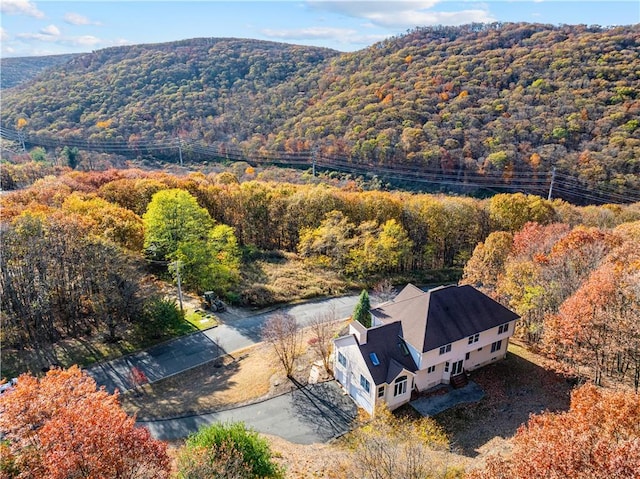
[(479, 355), (349, 375), (394, 402)]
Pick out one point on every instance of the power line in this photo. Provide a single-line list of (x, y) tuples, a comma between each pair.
[(567, 187)]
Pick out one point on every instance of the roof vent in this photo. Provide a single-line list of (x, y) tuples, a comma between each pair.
[(374, 359)]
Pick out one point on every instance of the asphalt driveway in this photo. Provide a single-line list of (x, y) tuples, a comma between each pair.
[(238, 329), (313, 414)]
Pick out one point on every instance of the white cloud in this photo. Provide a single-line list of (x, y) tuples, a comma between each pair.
[(51, 30), (403, 14), (20, 7), (77, 19), (84, 41), (4, 36), (340, 35), (79, 41)]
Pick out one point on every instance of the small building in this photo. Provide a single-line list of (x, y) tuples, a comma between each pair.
[(418, 340)]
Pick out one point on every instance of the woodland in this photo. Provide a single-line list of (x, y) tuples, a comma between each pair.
[(88, 249), (80, 250), (511, 101)]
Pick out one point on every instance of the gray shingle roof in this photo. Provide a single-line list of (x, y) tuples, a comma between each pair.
[(385, 342), (442, 315)]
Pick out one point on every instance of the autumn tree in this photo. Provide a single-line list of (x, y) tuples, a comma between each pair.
[(510, 212), (487, 261), (226, 451), (283, 333), (597, 437), (391, 446), (62, 426)]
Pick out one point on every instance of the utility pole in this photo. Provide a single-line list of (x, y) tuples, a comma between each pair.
[(553, 177), (179, 285), (313, 161), (180, 149)]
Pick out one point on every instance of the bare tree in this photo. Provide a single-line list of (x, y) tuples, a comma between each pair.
[(383, 291), (321, 326), (284, 334)]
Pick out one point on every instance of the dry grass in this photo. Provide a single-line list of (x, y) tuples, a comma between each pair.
[(248, 376), (320, 461), (286, 277)]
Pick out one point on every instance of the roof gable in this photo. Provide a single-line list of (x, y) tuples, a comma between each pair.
[(386, 342)]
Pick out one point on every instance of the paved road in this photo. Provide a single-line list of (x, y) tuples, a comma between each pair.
[(316, 413), (238, 329)]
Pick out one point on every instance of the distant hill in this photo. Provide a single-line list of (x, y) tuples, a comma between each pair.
[(512, 100), (14, 71)]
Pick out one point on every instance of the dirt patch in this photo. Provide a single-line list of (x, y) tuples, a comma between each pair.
[(521, 385)]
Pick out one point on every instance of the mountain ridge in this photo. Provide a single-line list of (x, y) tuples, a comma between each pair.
[(496, 99)]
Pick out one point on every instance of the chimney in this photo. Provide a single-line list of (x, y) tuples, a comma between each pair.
[(359, 331)]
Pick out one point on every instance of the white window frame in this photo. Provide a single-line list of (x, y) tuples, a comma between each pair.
[(342, 359), (381, 391), (365, 384), (503, 328), (474, 339), (431, 369), (400, 386), (497, 346), (445, 349)]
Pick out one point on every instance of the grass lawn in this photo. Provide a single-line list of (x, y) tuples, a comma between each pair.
[(201, 319)]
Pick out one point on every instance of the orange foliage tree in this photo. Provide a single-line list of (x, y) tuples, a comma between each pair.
[(598, 437), (61, 426)]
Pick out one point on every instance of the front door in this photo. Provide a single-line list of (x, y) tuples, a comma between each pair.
[(456, 368)]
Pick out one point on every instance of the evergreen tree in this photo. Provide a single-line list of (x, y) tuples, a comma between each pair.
[(361, 311)]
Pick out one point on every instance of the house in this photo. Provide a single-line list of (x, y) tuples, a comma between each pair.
[(419, 340)]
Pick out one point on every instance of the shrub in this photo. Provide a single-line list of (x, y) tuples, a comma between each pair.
[(226, 450)]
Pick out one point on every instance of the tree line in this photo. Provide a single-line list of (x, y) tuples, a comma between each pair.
[(576, 290)]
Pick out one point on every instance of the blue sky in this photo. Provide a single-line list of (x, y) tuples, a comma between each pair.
[(32, 27)]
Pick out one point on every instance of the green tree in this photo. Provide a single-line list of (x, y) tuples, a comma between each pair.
[(361, 311), (173, 217), (178, 230), (229, 451), (72, 156), (38, 154)]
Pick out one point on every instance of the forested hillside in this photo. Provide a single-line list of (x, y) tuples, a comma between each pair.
[(20, 70), (512, 100)]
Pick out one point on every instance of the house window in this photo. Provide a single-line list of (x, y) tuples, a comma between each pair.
[(400, 386), (403, 348), (431, 369), (445, 349), (364, 383), (381, 391), (503, 328), (446, 367), (342, 360), (474, 338), (467, 356), (496, 346)]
